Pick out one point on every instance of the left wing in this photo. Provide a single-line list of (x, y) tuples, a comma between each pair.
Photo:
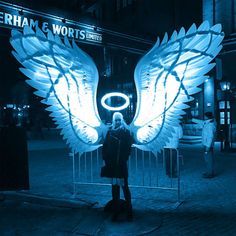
[(67, 79), (165, 79)]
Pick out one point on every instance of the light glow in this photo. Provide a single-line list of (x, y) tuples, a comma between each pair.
[(165, 78), (66, 78), (115, 94)]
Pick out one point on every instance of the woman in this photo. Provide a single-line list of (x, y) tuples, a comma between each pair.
[(116, 151)]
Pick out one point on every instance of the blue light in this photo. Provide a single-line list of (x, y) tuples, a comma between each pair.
[(66, 78), (165, 78), (115, 94)]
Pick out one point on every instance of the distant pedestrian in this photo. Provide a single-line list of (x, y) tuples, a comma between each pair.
[(170, 152), (208, 139), (116, 151)]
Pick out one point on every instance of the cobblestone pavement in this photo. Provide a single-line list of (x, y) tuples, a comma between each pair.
[(207, 207)]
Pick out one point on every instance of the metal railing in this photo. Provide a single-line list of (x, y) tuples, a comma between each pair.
[(146, 170)]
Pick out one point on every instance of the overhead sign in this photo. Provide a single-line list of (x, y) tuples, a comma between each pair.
[(15, 16), (11, 16)]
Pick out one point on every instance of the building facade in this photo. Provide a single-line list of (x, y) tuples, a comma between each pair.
[(116, 34)]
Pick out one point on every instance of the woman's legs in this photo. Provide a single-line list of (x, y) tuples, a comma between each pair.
[(115, 198), (127, 196), (116, 192)]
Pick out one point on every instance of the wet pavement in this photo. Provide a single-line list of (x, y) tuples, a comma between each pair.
[(50, 207)]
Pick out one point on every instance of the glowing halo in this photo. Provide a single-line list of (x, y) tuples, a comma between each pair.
[(115, 94)]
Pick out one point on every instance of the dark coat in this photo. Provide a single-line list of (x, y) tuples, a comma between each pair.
[(116, 150)]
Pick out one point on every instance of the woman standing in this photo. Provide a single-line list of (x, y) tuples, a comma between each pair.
[(116, 151)]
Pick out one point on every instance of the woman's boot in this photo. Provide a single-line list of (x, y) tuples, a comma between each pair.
[(115, 199), (127, 196)]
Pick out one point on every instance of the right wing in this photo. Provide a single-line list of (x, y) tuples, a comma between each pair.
[(67, 79), (165, 79)]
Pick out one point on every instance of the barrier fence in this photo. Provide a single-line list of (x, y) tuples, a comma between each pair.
[(146, 170)]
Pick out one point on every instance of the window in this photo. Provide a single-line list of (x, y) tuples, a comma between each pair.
[(222, 104)]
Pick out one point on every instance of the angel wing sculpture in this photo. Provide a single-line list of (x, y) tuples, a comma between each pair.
[(165, 78)]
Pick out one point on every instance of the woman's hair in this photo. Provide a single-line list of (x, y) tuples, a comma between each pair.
[(120, 116)]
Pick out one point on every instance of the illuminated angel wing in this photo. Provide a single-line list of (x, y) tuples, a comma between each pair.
[(67, 78), (165, 79)]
